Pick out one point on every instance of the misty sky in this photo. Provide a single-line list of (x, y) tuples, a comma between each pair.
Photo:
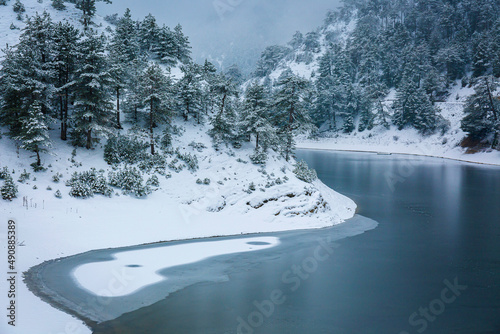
[(236, 29)]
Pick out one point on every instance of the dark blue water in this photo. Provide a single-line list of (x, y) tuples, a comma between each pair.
[(431, 266)]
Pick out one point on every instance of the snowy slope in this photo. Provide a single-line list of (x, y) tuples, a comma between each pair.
[(49, 227)]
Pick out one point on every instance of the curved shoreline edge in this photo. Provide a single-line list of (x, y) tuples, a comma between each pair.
[(35, 280)]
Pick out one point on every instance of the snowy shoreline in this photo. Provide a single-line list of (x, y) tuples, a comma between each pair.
[(42, 278), (383, 150)]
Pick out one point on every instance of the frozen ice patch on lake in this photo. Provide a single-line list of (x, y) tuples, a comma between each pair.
[(131, 271)]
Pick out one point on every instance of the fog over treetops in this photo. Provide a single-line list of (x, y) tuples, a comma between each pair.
[(231, 31)]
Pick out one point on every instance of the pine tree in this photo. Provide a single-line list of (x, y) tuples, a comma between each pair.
[(148, 33), (65, 54), (34, 133), (481, 120), (155, 95), (223, 129), (182, 47), (88, 9), (413, 108), (290, 113), (9, 189), (190, 91), (92, 114), (166, 47), (255, 117), (124, 51)]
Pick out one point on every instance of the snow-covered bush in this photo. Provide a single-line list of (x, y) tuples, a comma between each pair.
[(124, 149), (4, 173), (153, 181), (130, 181), (173, 165), (23, 177), (206, 181), (258, 157), (9, 189), (18, 7), (58, 194), (198, 146), (153, 163), (88, 183), (190, 159), (303, 172), (57, 177), (199, 181)]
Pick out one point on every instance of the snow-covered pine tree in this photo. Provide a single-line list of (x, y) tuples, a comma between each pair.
[(165, 49), (255, 117), (34, 132), (88, 9), (155, 85), (148, 33), (124, 52), (182, 46), (92, 116), (9, 189), (133, 98), (290, 113), (482, 113), (189, 91), (65, 52), (413, 108), (223, 124)]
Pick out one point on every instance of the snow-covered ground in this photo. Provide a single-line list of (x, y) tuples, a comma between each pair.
[(49, 228), (409, 141)]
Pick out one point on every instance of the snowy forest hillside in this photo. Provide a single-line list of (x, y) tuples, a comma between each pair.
[(387, 75), (95, 109)]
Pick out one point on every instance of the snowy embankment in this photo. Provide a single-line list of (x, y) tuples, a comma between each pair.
[(49, 227), (409, 141)]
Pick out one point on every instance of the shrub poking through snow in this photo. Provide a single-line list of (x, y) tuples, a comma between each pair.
[(130, 181), (206, 181), (198, 146), (4, 173), (258, 157), (155, 163), (190, 159), (199, 181), (124, 149), (58, 194), (57, 177), (9, 189), (88, 183), (153, 181), (25, 176), (304, 173), (173, 165)]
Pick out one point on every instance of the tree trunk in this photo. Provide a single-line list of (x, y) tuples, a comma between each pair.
[(64, 124), (38, 160), (151, 131), (89, 136), (118, 123), (257, 141)]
